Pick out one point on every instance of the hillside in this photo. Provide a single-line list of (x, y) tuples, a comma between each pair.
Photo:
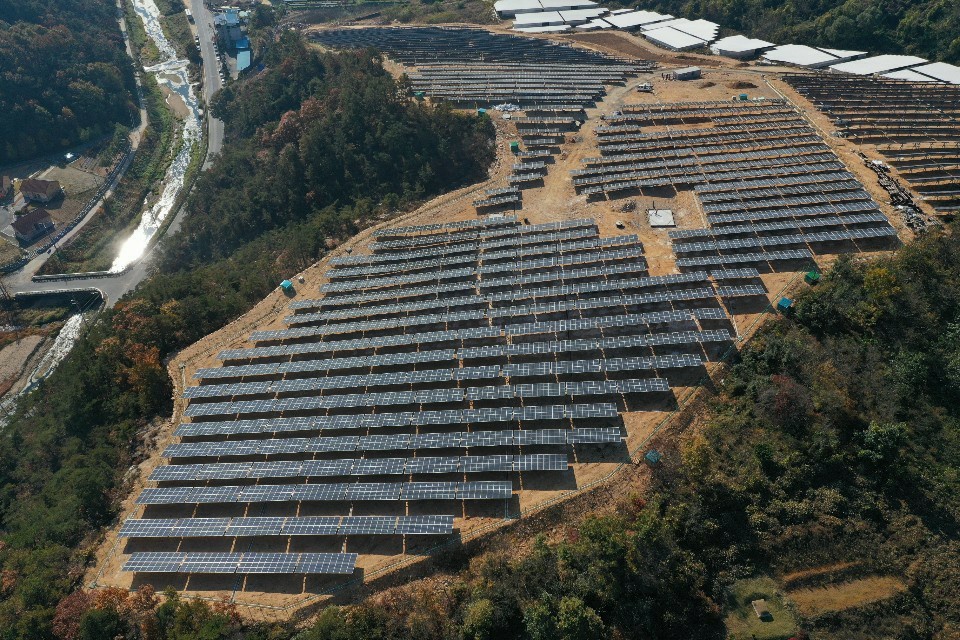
[(64, 75), (922, 27)]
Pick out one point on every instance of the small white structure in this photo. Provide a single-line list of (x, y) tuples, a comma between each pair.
[(686, 73), (539, 19), (670, 38), (660, 218), (941, 71), (843, 55), (877, 64), (800, 55), (739, 47), (510, 8)]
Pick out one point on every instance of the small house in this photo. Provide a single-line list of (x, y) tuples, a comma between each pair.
[(33, 225), (653, 457), (812, 277), (686, 73), (40, 190)]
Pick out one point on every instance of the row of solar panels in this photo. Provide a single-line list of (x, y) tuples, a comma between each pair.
[(344, 467), (576, 241), (808, 170), (778, 202), (489, 351), (845, 182), (242, 563), (885, 231), (336, 492), (415, 323), (286, 526), (429, 396), (383, 442), (482, 415), (475, 223), (477, 237), (518, 283), (784, 138), (836, 221), (427, 376)]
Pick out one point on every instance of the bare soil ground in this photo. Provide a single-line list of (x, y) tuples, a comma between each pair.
[(14, 359), (546, 501)]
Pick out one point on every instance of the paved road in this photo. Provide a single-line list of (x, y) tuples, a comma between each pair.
[(211, 73), (114, 287)]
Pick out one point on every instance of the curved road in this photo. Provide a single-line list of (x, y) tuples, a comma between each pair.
[(114, 287)]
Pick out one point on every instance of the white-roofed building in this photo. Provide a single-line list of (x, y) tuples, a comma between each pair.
[(569, 5), (554, 28), (941, 71), (633, 19), (670, 38), (842, 55), (740, 47), (581, 16), (539, 19), (799, 55), (700, 29), (908, 74), (510, 8), (599, 23), (877, 64)]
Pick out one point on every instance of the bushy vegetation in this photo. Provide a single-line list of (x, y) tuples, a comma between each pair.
[(927, 28), (64, 75), (64, 454)]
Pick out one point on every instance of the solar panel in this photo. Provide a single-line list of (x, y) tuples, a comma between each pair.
[(425, 525)]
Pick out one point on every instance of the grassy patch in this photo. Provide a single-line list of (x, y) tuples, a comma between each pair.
[(142, 45), (847, 595), (472, 11), (9, 252), (742, 623)]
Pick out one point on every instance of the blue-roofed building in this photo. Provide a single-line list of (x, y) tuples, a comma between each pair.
[(243, 43), (232, 17), (243, 60)]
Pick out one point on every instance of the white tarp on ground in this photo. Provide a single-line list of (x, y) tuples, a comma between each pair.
[(941, 71), (553, 28), (878, 64), (673, 39), (799, 55), (599, 23)]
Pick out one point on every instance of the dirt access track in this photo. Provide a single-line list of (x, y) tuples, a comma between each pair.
[(540, 502)]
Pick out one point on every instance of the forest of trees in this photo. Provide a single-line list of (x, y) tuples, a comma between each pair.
[(64, 453), (929, 28), (65, 77)]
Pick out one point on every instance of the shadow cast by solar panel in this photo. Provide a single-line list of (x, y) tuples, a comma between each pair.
[(371, 545), (160, 581), (591, 453), (684, 376), (743, 305), (548, 480), (654, 401)]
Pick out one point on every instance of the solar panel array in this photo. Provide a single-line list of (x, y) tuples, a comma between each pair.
[(550, 333), (914, 126), (553, 83), (773, 193)]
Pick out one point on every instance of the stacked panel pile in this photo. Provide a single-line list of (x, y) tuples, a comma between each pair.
[(772, 191), (915, 126), (476, 68), (435, 375)]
